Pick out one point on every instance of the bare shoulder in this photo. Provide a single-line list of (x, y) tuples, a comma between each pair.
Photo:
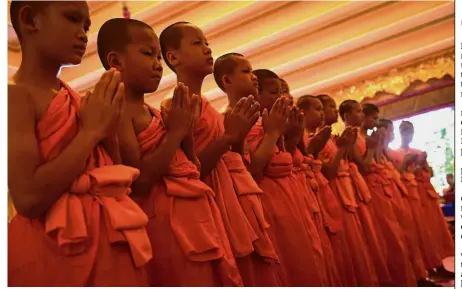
[(19, 100)]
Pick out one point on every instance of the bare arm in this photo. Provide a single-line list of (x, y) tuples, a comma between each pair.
[(35, 186), (111, 145), (263, 154)]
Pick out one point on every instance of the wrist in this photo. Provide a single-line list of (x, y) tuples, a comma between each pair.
[(92, 136), (174, 136), (228, 139), (272, 135)]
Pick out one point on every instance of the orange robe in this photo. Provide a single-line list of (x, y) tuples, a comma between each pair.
[(300, 253), (331, 213), (238, 199), (343, 188), (433, 214), (94, 234), (187, 234), (402, 204), (305, 175), (386, 204), (430, 255)]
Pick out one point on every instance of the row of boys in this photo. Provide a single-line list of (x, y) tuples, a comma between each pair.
[(113, 192)]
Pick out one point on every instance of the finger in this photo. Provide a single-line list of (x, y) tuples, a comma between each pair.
[(103, 82), (247, 104), (253, 109), (301, 117), (119, 96), (276, 106), (193, 103), (265, 115), (112, 87), (255, 117), (186, 98), (176, 100)]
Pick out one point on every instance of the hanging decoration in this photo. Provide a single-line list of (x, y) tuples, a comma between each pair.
[(125, 10), (399, 79)]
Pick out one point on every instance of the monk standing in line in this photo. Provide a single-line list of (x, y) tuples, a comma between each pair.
[(76, 225), (218, 142), (189, 242)]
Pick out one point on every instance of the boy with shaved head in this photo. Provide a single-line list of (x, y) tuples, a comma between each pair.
[(190, 246), (75, 224), (219, 141)]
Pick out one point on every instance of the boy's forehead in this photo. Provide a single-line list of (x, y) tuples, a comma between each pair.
[(142, 35), (271, 82), (191, 31), (82, 6)]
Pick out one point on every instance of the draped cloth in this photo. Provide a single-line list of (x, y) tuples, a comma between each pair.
[(94, 234), (239, 200), (193, 249)]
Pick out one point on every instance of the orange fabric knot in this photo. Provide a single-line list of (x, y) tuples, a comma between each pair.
[(125, 221)]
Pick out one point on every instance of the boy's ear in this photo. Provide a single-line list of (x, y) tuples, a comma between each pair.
[(225, 79), (172, 58), (28, 19), (114, 61)]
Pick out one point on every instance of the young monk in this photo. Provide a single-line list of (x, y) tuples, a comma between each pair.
[(77, 227), (426, 257), (219, 141), (189, 242), (336, 169), (292, 228), (384, 195), (429, 198)]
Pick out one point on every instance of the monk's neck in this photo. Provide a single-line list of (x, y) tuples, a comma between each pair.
[(38, 71), (363, 131), (133, 97), (404, 146), (193, 82), (233, 98)]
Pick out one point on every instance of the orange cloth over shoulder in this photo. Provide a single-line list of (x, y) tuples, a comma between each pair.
[(238, 198), (94, 235), (185, 225)]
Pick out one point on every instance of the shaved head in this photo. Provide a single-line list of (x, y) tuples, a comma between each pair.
[(346, 107), (15, 9), (224, 65), (170, 38), (114, 35)]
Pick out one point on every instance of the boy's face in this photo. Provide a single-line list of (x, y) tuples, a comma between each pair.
[(330, 112), (141, 67), (314, 115), (61, 31), (194, 54), (269, 93), (390, 134), (370, 121), (407, 133), (242, 81), (355, 117)]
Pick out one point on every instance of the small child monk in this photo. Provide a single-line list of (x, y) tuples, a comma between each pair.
[(336, 169), (384, 195), (189, 242), (75, 223), (292, 227), (218, 141)]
